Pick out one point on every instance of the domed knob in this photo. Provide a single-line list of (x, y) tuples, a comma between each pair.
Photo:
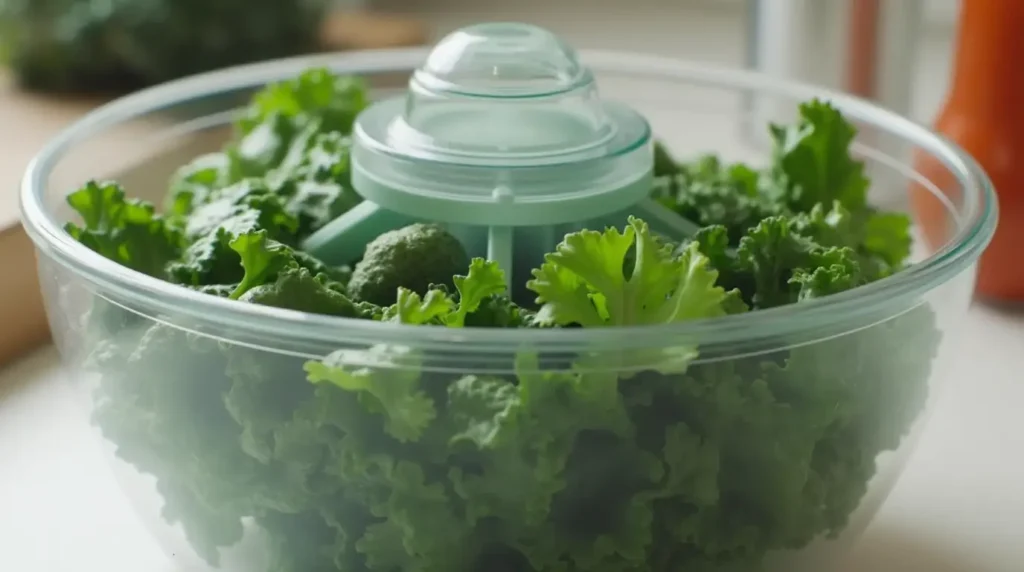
[(502, 60), (509, 90)]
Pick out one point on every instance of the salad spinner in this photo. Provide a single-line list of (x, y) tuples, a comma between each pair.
[(255, 437)]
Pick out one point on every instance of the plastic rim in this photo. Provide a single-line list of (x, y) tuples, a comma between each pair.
[(163, 298)]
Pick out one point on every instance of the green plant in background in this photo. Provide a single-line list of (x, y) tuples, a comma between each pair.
[(119, 45), (653, 460)]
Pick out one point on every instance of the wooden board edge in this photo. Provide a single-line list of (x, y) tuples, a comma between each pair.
[(23, 324), (24, 327)]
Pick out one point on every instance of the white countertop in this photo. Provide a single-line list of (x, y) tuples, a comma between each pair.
[(958, 508)]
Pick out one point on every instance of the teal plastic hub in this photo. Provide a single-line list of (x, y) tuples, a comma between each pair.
[(503, 138)]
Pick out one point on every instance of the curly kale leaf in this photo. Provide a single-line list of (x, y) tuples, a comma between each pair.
[(297, 288), (239, 240), (384, 390), (195, 183), (777, 263), (813, 162), (787, 267), (495, 458), (243, 209), (483, 287), (813, 180), (165, 416), (245, 206), (835, 270), (708, 193), (587, 281), (314, 179), (315, 95), (293, 137), (261, 258), (800, 228), (821, 182), (273, 275), (311, 178), (881, 240), (127, 231), (294, 111), (374, 372)]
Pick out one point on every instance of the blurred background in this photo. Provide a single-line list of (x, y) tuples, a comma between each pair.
[(104, 46), (805, 39)]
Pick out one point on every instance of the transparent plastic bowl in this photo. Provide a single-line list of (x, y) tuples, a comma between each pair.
[(774, 449)]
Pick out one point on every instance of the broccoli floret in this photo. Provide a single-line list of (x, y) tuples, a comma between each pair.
[(413, 257)]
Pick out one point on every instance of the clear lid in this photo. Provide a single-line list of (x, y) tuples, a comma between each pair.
[(501, 127)]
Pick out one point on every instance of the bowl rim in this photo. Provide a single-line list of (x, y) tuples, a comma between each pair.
[(273, 325)]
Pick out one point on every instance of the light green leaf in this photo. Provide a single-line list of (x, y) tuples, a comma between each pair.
[(261, 258), (387, 381), (585, 281), (483, 280)]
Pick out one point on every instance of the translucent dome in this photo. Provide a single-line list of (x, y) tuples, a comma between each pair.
[(504, 60), (505, 94)]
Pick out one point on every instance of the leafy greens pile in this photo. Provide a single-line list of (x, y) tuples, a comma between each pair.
[(658, 460)]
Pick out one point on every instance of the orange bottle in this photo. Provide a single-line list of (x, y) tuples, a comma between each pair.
[(984, 113)]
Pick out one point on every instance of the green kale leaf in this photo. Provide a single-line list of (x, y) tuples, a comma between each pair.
[(316, 95), (261, 260), (127, 231), (484, 283), (291, 111), (710, 193), (813, 162), (378, 378), (314, 179), (587, 281), (195, 183), (246, 208), (293, 137)]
